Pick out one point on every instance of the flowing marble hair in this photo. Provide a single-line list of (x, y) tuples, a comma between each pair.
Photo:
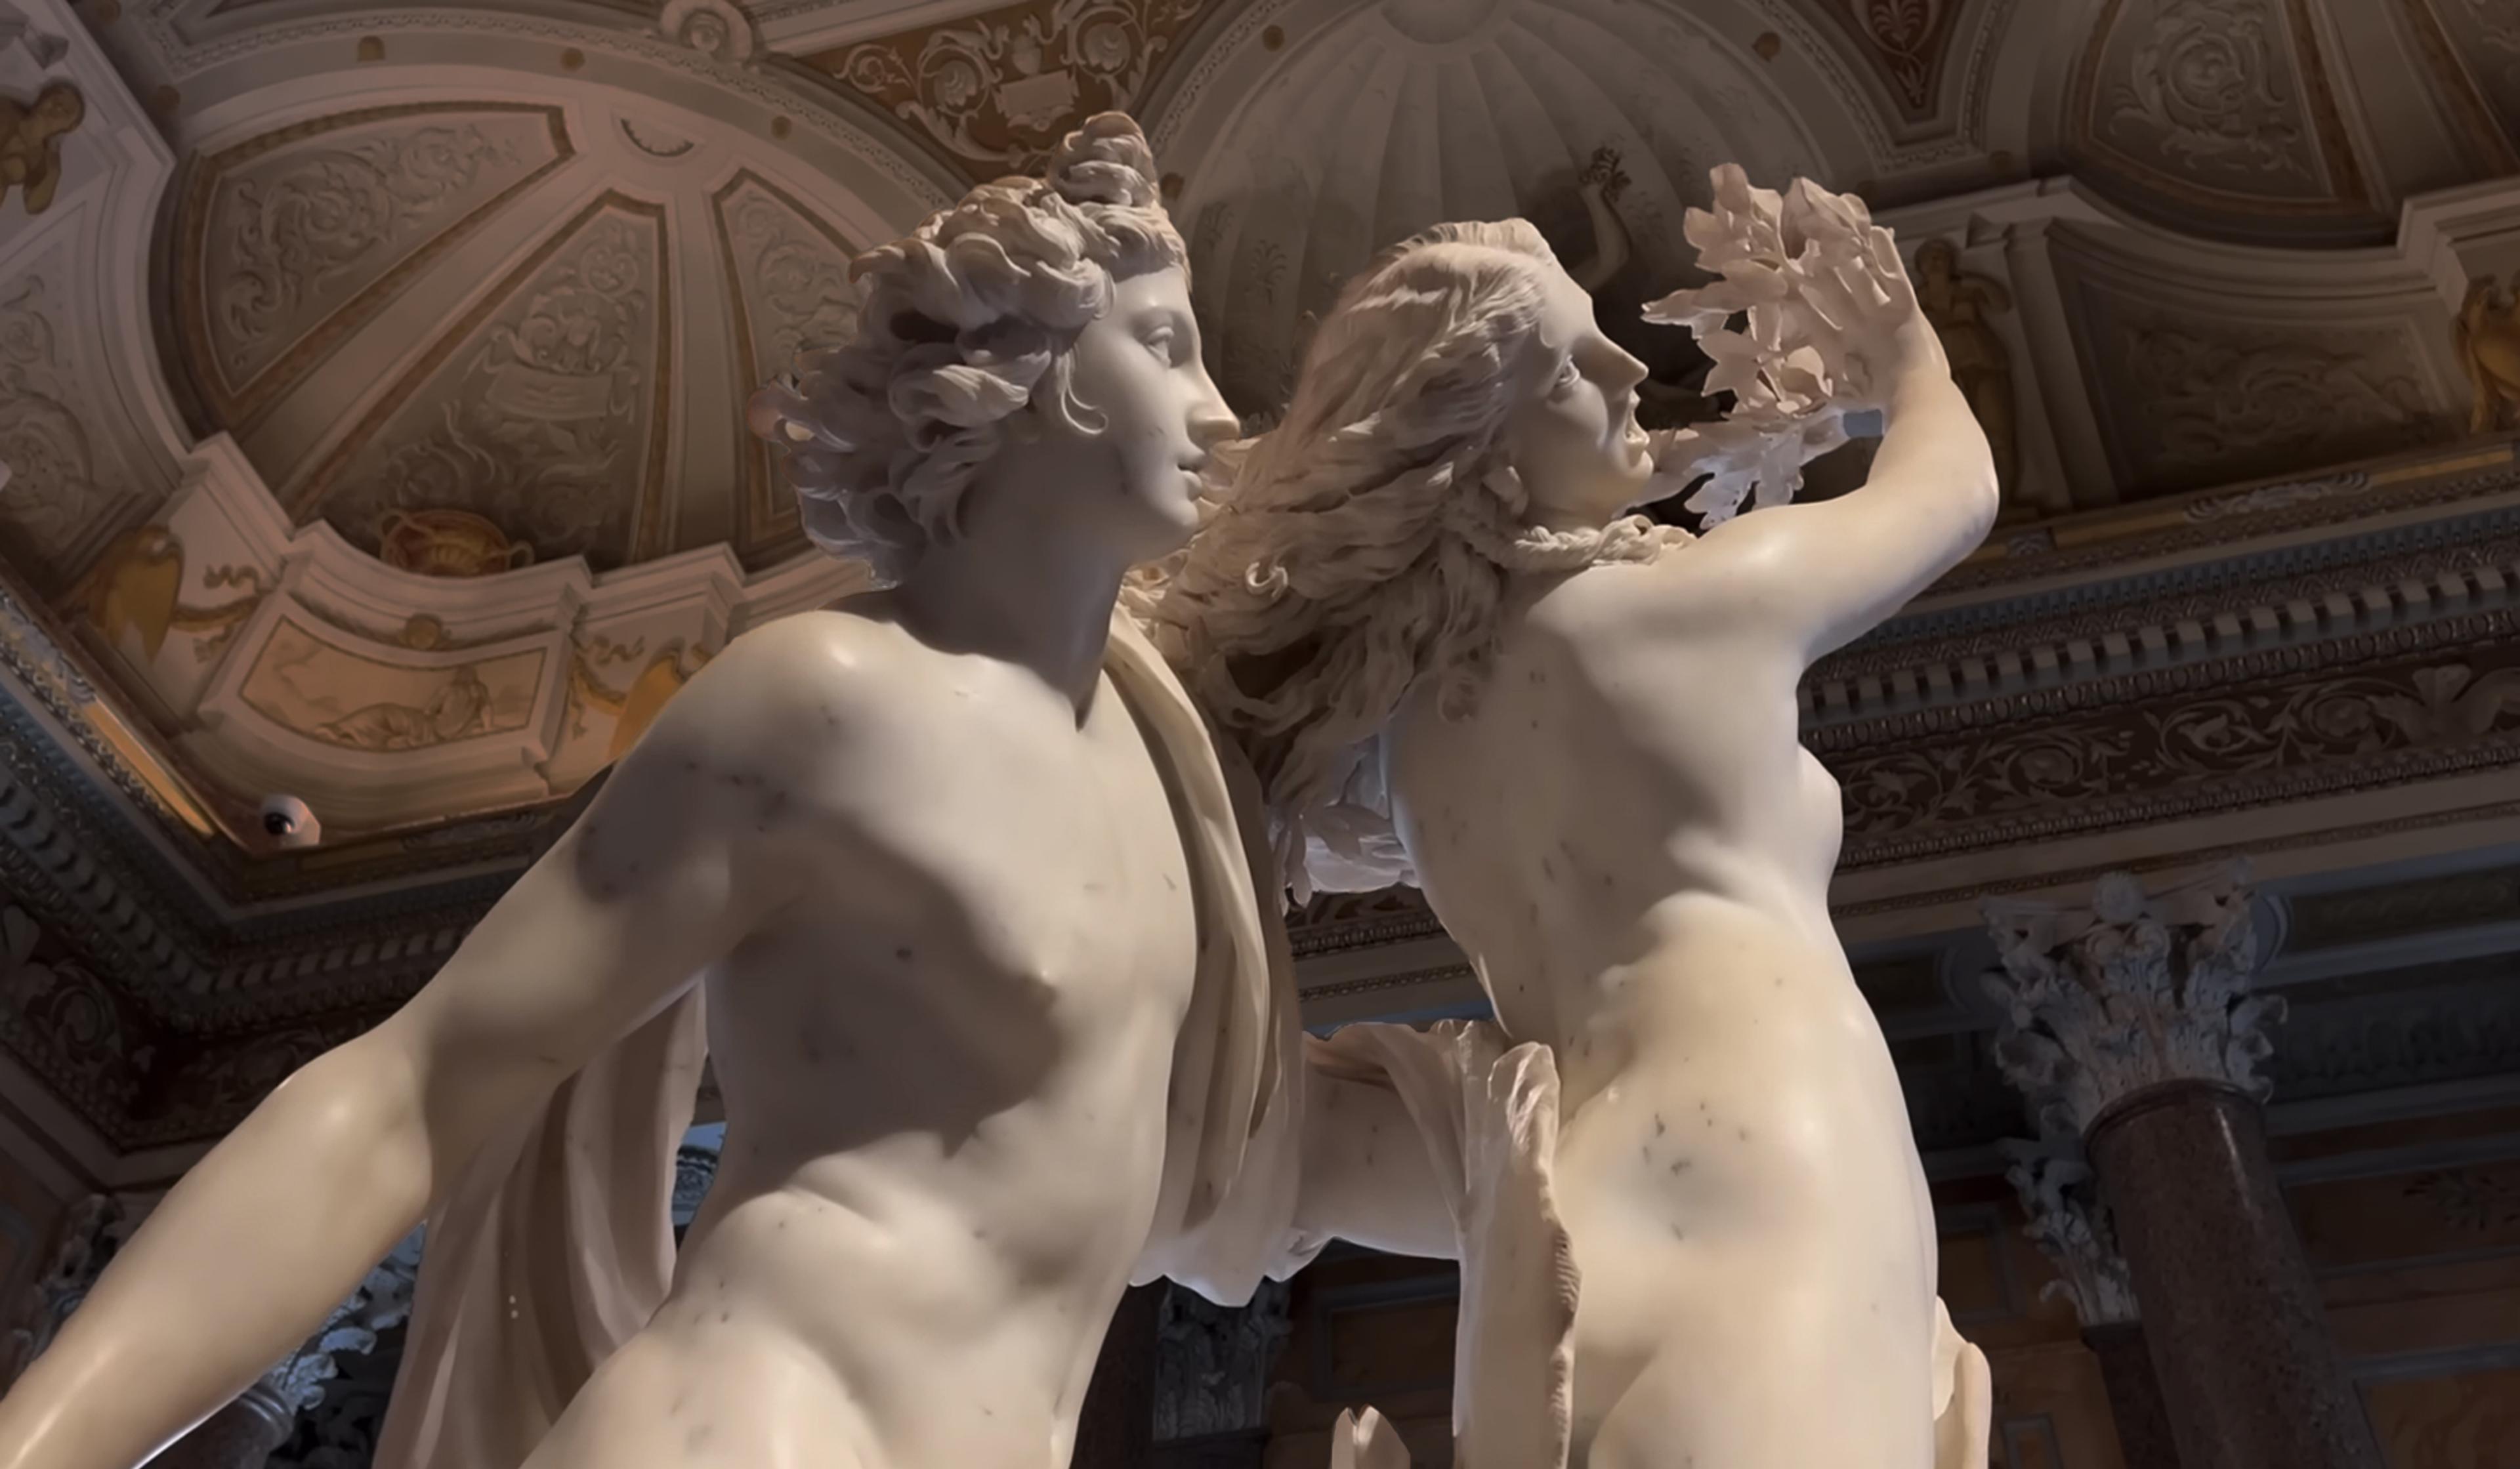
[(1364, 544), (962, 325)]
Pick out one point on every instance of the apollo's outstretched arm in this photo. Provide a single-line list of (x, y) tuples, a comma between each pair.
[(246, 1255)]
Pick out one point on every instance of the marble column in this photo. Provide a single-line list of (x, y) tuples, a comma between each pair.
[(1117, 1428), (2072, 1228), (2131, 1022)]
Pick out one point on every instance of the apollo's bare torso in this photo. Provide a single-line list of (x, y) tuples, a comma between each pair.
[(944, 1066), (1630, 840)]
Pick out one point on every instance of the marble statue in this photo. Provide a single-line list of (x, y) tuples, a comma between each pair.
[(1426, 593), (999, 1021)]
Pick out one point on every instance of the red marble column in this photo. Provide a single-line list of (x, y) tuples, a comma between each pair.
[(2134, 1395), (2132, 1022), (2248, 1374), (239, 1435)]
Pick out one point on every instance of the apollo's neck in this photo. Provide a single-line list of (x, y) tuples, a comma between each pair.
[(1037, 595)]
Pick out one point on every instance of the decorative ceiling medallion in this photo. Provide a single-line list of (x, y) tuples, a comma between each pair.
[(1907, 42), (999, 90), (2222, 105), (712, 28)]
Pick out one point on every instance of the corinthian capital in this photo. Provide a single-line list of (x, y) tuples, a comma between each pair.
[(2129, 989), (2071, 1225)]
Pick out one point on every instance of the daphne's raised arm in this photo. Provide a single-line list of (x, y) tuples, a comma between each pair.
[(1834, 326), (1826, 573)]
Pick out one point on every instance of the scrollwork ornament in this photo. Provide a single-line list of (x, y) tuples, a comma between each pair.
[(999, 93), (2130, 990), (2204, 85), (2070, 1226)]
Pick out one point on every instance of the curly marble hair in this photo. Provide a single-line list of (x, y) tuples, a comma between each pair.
[(1366, 541), (962, 325)]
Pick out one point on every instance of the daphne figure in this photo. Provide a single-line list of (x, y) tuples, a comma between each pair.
[(1426, 579)]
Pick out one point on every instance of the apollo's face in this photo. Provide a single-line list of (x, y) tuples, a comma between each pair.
[(1137, 369), (1575, 441)]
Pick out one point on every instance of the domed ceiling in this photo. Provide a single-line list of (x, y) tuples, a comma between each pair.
[(381, 431), (542, 319)]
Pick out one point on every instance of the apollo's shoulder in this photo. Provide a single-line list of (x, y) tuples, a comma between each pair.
[(830, 668)]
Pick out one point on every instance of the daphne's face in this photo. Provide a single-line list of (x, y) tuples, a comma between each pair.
[(1575, 440)]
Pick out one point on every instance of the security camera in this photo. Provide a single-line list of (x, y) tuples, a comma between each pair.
[(288, 821)]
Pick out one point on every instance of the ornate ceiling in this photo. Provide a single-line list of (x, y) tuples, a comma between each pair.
[(370, 375), (379, 435)]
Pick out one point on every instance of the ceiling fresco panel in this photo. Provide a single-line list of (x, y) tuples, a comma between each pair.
[(543, 414), (2473, 48), (294, 239), (2219, 106), (787, 283)]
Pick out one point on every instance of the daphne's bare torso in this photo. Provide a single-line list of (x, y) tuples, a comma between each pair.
[(944, 1079), (1632, 844)]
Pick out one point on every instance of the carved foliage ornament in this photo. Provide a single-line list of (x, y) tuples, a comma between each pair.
[(2214, 404), (52, 492), (1908, 35), (999, 90), (2130, 990), (2205, 87), (2071, 1226), (298, 233), (1212, 1362)]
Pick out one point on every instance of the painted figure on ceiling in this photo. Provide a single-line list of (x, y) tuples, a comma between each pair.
[(31, 143)]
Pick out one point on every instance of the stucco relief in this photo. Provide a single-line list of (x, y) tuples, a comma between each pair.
[(542, 416), (2209, 403), (2217, 100), (2474, 46), (53, 490), (294, 226), (788, 277), (304, 683), (997, 91), (1905, 41)]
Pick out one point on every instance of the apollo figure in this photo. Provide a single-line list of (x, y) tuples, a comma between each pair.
[(1426, 593), (954, 866)]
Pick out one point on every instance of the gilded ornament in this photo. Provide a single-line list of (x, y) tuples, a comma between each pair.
[(998, 90), (2488, 337), (137, 589), (31, 143), (448, 543)]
